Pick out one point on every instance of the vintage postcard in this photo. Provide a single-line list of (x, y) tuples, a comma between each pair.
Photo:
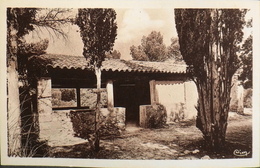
[(130, 83)]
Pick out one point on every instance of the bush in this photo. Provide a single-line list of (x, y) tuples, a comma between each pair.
[(68, 94), (109, 127), (156, 116), (83, 123)]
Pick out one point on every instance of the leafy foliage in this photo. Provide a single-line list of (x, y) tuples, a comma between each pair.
[(98, 32), (89, 98), (24, 18), (138, 53), (29, 49), (173, 51), (83, 125), (152, 48), (246, 63), (115, 54), (68, 94), (25, 50), (197, 30), (156, 116)]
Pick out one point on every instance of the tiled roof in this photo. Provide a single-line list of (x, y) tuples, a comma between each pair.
[(79, 62)]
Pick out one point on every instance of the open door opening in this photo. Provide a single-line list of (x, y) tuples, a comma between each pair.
[(131, 96)]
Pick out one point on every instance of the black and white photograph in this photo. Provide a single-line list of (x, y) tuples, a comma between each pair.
[(130, 84)]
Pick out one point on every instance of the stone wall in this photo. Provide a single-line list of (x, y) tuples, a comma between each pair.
[(112, 122), (152, 116), (179, 99), (57, 127)]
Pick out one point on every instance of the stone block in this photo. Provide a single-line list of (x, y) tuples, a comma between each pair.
[(152, 116)]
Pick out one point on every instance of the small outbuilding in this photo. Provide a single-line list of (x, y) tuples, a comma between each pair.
[(127, 85)]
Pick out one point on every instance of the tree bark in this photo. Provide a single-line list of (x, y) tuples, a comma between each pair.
[(214, 92), (97, 111), (13, 111)]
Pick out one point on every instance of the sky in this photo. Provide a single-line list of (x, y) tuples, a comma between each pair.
[(132, 24), (135, 23)]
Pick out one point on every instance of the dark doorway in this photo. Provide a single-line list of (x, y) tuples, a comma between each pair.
[(131, 96)]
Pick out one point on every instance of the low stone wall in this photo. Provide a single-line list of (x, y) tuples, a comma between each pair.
[(111, 122), (58, 129), (152, 116)]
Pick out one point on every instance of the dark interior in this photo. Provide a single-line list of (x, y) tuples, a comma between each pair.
[(131, 96)]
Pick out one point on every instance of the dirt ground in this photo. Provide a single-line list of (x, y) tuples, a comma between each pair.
[(177, 141)]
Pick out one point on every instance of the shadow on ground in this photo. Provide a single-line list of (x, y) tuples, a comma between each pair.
[(178, 141)]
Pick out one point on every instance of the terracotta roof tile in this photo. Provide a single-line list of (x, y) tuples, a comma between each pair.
[(79, 62)]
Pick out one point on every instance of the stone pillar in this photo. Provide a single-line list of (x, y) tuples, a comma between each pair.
[(237, 93), (191, 99), (44, 106), (153, 92), (110, 95), (240, 97)]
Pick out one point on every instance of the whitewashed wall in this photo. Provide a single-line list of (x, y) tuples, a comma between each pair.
[(178, 98)]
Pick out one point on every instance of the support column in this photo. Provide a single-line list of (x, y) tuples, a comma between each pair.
[(44, 106), (110, 95), (191, 99), (153, 92), (237, 100), (44, 95)]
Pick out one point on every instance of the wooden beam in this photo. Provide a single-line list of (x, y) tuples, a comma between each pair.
[(78, 97)]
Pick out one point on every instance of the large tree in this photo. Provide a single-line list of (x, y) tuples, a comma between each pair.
[(209, 41), (18, 24), (98, 30), (21, 21), (152, 48), (138, 54)]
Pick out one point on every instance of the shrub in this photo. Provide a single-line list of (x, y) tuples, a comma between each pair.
[(109, 126), (156, 116), (83, 123), (68, 94), (89, 98), (56, 94)]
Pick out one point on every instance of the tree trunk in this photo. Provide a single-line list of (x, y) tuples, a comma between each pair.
[(13, 111), (214, 94), (97, 111), (212, 115)]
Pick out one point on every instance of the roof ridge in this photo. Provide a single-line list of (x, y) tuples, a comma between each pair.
[(62, 61), (50, 54)]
